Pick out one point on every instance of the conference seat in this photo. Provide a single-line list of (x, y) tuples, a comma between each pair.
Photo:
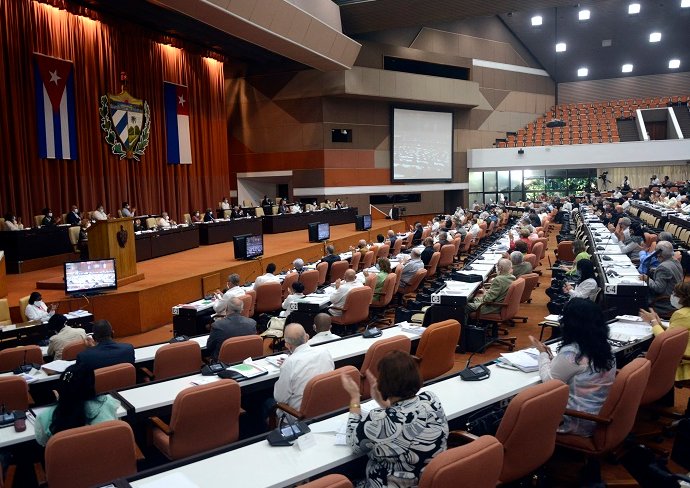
[(70, 351), (14, 357), (23, 302), (398, 276), (73, 234), (509, 309), (356, 258), (38, 220), (432, 267), (477, 464), (338, 270), (564, 252), (115, 377), (89, 456), (259, 212), (203, 417), (531, 282), (323, 393), (176, 359), (531, 259), (187, 219), (247, 304), (615, 419), (5, 318), (368, 260), (356, 307), (329, 481), (436, 349), (322, 268), (310, 280), (448, 252), (286, 286), (397, 246), (375, 353), (383, 252), (268, 298), (237, 349), (14, 393), (151, 223)]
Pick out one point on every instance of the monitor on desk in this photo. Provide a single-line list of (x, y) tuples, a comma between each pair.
[(319, 231), (248, 246), (363, 222), (90, 277)]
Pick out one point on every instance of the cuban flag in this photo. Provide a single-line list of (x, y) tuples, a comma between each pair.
[(177, 123), (57, 123)]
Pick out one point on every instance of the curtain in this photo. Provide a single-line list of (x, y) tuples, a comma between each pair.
[(100, 48)]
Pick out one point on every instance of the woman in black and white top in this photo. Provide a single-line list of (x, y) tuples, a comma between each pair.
[(405, 433), (588, 287)]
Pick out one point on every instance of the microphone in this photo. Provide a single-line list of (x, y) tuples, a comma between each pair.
[(370, 333), (479, 372), (24, 368)]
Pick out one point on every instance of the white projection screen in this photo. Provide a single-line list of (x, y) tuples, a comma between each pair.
[(422, 148)]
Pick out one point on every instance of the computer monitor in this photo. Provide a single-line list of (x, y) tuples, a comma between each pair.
[(90, 277), (254, 245), (363, 222), (319, 231)]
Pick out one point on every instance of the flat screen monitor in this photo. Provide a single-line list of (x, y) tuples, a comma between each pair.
[(363, 222), (319, 231), (254, 246), (90, 277)]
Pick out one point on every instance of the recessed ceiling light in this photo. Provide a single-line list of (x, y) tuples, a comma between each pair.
[(582, 72), (606, 43), (583, 15), (634, 8), (684, 3), (627, 68), (537, 20), (655, 37), (674, 64), (560, 47)]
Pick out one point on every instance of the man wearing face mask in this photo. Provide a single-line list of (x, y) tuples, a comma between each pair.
[(73, 217), (664, 278), (37, 309), (629, 238), (48, 219), (99, 213)]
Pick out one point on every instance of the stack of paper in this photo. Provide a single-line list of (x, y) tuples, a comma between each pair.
[(523, 360)]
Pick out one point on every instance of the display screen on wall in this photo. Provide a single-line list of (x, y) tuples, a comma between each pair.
[(422, 147)]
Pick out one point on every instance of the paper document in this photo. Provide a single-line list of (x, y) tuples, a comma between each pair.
[(171, 480), (523, 360), (341, 433), (276, 360), (57, 366)]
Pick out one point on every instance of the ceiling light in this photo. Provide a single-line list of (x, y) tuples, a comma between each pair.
[(634, 8), (627, 68), (606, 43), (583, 15), (560, 47), (684, 3), (582, 72), (674, 64), (655, 37), (537, 20)]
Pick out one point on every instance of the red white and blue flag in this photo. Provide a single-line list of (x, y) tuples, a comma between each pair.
[(177, 123), (57, 123)]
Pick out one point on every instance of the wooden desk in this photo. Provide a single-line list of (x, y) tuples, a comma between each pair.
[(28, 244), (154, 244), (224, 230), (275, 224)]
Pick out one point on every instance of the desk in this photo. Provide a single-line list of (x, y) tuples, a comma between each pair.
[(154, 244), (224, 230), (191, 318), (27, 244), (275, 224), (78, 318)]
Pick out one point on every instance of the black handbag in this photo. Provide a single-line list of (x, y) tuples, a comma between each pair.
[(485, 421)]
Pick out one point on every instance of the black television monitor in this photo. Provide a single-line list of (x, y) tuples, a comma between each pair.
[(254, 246), (319, 231), (90, 277), (363, 222)]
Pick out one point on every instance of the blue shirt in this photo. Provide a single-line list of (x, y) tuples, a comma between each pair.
[(645, 263)]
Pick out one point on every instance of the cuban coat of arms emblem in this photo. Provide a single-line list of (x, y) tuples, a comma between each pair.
[(126, 123)]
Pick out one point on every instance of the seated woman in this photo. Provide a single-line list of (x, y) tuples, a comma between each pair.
[(524, 233), (37, 309), (405, 433), (680, 300), (196, 217), (384, 266), (587, 287), (584, 362), (77, 405), (579, 250)]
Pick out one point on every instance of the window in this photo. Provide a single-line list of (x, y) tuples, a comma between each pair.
[(518, 185), (504, 181)]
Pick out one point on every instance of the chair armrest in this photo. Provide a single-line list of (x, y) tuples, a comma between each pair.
[(40, 475), (9, 475), (137, 452), (147, 372), (337, 308), (161, 425), (588, 416), (289, 410), (461, 437), (479, 309)]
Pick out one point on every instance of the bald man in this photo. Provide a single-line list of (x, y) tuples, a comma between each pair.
[(303, 363), (342, 288), (498, 289), (322, 327)]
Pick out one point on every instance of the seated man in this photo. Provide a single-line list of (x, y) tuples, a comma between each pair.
[(73, 217), (48, 219), (208, 215), (164, 222), (267, 277), (362, 248), (64, 334), (322, 327), (342, 288), (392, 238), (410, 268), (498, 289), (298, 264), (103, 350), (664, 278), (330, 257), (232, 325), (303, 363), (297, 294), (234, 290), (100, 213), (237, 212), (126, 211), (520, 266), (428, 250), (443, 238), (418, 230)]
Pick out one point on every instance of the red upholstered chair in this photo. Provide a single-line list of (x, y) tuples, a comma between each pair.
[(398, 274), (237, 349), (433, 265), (531, 259), (414, 283), (252, 294), (397, 246), (203, 417), (383, 251), (356, 307), (70, 351), (564, 252), (509, 309), (268, 298), (329, 481), (617, 415), (436, 349), (324, 393), (322, 268), (356, 258), (310, 280), (14, 393), (338, 270), (664, 355), (286, 287), (16, 356), (448, 252), (89, 456), (247, 302), (175, 360), (115, 377), (477, 464), (374, 354), (531, 281), (368, 260), (370, 280), (381, 300)]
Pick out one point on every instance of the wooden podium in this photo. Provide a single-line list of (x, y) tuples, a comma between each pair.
[(3, 276), (115, 239)]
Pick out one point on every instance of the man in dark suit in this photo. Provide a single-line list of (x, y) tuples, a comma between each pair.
[(103, 350), (330, 258), (428, 250), (417, 236), (232, 325)]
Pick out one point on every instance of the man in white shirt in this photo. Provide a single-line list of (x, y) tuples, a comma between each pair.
[(99, 213), (322, 326), (474, 228), (654, 180), (234, 290), (297, 294), (64, 334), (164, 222), (225, 204), (342, 288), (268, 277), (303, 363)]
